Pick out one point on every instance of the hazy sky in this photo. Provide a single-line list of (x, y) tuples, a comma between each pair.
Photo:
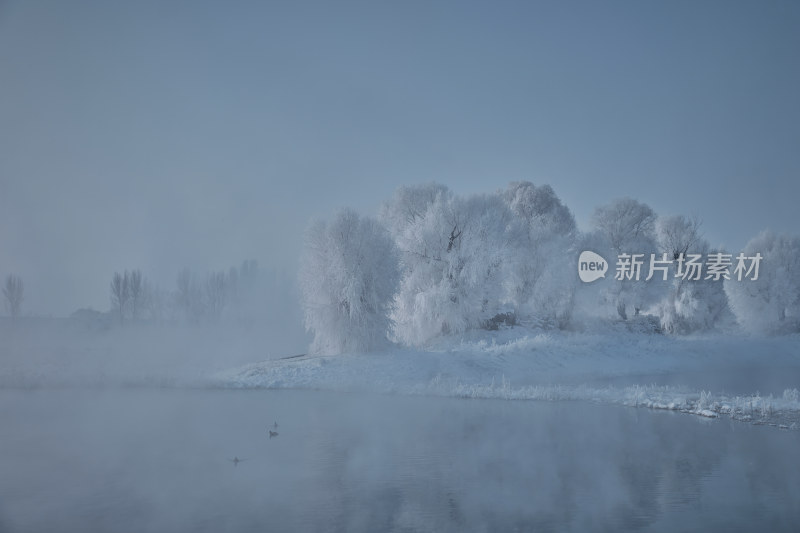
[(159, 135)]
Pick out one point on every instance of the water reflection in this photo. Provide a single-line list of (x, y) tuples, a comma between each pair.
[(156, 460)]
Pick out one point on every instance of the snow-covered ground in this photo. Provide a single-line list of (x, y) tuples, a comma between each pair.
[(747, 378)]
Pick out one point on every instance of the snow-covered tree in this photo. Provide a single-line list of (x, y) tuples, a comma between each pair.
[(471, 262), (426, 226), (540, 208), (539, 280), (348, 276), (598, 298), (453, 253), (628, 227), (689, 305), (626, 223), (676, 235), (408, 205), (13, 291), (693, 304), (771, 303)]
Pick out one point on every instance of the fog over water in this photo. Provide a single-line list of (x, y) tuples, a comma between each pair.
[(156, 460)]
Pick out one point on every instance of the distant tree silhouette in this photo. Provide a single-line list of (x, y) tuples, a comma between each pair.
[(216, 293), (13, 291), (136, 292), (120, 294)]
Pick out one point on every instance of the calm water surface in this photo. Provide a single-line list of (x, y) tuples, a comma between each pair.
[(144, 460)]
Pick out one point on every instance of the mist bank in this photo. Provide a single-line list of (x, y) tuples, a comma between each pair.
[(160, 460), (746, 377), (57, 352)]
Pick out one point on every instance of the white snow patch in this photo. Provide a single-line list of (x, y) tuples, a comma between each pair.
[(547, 367)]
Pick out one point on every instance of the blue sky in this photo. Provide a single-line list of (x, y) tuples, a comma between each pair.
[(159, 135)]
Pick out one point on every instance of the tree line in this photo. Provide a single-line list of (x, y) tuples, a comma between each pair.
[(194, 299), (434, 263)]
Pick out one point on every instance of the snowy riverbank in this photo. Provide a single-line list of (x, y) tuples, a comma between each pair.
[(752, 378), (747, 378)]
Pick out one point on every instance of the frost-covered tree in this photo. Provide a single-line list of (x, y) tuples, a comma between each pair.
[(348, 275), (408, 206), (595, 299), (626, 223), (13, 290), (453, 252), (540, 208), (628, 227), (426, 227), (476, 263), (692, 305), (771, 303), (539, 281), (689, 305), (471, 262), (676, 235)]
